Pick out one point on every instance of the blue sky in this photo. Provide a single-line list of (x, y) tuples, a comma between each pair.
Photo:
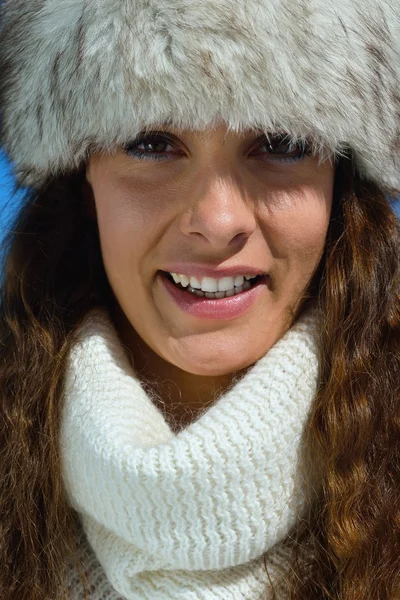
[(8, 204)]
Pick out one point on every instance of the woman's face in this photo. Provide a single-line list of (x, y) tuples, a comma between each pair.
[(214, 208)]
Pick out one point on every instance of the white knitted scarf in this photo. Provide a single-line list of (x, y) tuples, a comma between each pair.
[(189, 515)]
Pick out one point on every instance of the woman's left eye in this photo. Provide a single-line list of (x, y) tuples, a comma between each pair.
[(280, 149)]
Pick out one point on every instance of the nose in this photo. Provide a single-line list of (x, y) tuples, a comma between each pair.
[(219, 213)]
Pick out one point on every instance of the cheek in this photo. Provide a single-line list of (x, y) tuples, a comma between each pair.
[(305, 236), (297, 233), (126, 222), (120, 211)]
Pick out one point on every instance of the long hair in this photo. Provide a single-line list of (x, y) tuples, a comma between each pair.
[(53, 275), (348, 547)]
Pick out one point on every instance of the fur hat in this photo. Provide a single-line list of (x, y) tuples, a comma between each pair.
[(78, 76)]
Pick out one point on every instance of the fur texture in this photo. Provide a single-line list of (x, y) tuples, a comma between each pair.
[(78, 76)]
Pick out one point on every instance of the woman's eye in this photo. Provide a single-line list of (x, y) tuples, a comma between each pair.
[(156, 147), (149, 147), (280, 149)]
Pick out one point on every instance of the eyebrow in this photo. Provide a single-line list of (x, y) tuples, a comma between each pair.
[(205, 134), (169, 125)]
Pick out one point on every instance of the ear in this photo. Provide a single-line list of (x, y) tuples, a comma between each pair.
[(89, 205)]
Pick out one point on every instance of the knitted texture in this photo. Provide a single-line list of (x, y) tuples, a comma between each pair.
[(186, 515), (79, 76), (245, 581)]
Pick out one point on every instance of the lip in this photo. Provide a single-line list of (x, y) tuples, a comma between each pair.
[(197, 270), (206, 308)]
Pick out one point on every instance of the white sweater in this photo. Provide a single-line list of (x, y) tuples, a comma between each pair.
[(184, 516)]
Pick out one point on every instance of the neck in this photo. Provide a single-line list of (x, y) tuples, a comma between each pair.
[(180, 395)]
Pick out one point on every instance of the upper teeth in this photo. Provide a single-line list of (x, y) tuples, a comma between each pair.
[(209, 284)]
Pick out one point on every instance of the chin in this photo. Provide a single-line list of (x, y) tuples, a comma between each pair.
[(219, 354), (218, 367)]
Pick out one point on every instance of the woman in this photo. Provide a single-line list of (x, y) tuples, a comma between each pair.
[(200, 308)]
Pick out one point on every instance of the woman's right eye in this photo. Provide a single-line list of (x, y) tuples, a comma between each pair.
[(149, 147)]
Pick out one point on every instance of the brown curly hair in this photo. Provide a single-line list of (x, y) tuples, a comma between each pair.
[(348, 547)]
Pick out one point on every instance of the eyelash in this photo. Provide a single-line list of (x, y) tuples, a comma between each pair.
[(303, 148)]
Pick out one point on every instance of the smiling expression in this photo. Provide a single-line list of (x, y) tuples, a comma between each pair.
[(182, 214)]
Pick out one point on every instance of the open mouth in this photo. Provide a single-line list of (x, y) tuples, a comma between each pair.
[(236, 285)]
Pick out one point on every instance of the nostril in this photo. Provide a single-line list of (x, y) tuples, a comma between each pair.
[(239, 239)]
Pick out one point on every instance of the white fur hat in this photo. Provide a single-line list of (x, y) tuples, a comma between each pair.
[(78, 76)]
